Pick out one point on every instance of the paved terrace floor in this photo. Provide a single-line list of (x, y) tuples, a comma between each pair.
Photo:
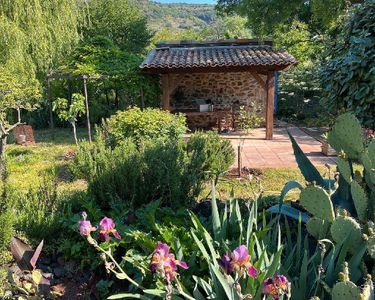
[(278, 153)]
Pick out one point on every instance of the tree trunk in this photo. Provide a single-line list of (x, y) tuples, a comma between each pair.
[(75, 132), (3, 145)]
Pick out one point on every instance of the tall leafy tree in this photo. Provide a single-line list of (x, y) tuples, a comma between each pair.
[(121, 21), (99, 56), (265, 16), (50, 28), (34, 36)]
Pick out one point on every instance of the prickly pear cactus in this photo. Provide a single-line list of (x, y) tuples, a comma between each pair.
[(369, 165), (345, 289), (344, 169), (347, 228), (368, 289), (371, 246), (347, 135), (360, 200), (371, 152), (317, 202), (318, 228)]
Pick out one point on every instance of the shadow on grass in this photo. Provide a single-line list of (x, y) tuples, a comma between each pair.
[(57, 136)]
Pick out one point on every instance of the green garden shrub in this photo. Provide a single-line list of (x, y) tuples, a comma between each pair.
[(211, 152), (173, 171), (7, 219), (143, 125), (349, 76)]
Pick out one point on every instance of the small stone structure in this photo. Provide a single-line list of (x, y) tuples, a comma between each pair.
[(226, 73), (24, 135)]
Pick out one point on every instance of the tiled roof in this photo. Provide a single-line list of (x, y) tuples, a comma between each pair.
[(217, 56)]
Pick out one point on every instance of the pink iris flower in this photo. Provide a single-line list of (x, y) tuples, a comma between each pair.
[(107, 226), (276, 287), (242, 260), (165, 263), (85, 228)]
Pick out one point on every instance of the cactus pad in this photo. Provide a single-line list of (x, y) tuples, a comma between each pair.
[(368, 289), (371, 152), (318, 228), (347, 228), (347, 135), (317, 202), (344, 169), (371, 246), (369, 166), (346, 290), (360, 200)]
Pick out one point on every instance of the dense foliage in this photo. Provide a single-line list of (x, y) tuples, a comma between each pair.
[(265, 16), (300, 96), (167, 169), (307, 30), (121, 22), (33, 37), (349, 74), (326, 252), (45, 31), (142, 125), (112, 48), (206, 269)]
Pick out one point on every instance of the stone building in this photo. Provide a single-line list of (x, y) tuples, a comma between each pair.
[(225, 74)]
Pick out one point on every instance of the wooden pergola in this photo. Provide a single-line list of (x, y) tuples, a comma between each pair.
[(183, 57)]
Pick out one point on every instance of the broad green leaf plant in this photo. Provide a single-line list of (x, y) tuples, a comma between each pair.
[(340, 212)]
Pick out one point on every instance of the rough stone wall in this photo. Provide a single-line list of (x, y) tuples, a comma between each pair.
[(224, 90)]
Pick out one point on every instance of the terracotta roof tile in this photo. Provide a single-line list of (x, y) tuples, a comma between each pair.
[(217, 56)]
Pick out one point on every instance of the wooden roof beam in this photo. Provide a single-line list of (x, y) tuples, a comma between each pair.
[(259, 79)]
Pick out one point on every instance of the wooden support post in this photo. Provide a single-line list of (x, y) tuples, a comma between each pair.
[(166, 92), (239, 156), (87, 107), (270, 104)]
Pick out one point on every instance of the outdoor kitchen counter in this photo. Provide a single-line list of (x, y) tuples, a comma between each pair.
[(219, 114)]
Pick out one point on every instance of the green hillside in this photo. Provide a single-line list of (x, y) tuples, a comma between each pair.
[(178, 16)]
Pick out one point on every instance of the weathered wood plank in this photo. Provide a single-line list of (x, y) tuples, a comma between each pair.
[(166, 92), (260, 80), (270, 105)]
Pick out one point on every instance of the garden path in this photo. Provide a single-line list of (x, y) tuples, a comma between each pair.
[(278, 153)]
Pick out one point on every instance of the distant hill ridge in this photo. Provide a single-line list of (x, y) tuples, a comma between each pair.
[(177, 15)]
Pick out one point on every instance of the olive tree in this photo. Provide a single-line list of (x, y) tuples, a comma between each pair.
[(17, 93)]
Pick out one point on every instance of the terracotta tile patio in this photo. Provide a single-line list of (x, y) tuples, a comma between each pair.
[(278, 153)]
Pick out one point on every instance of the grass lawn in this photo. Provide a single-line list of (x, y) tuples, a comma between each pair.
[(27, 165)]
